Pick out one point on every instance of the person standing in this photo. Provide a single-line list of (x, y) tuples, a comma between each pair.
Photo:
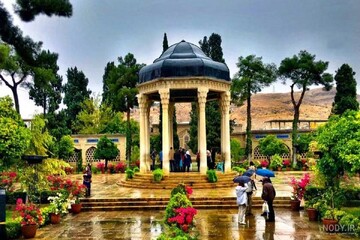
[(153, 157), (241, 201), (187, 161), (161, 159), (87, 179), (198, 160), (250, 190), (172, 161), (268, 195)]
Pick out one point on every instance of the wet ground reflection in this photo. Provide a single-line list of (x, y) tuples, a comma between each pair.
[(211, 224)]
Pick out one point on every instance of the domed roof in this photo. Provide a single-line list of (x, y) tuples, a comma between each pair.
[(184, 59)]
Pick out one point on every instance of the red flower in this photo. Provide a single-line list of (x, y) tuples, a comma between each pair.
[(29, 213), (299, 187)]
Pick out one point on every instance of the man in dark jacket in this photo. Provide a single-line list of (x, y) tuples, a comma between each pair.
[(268, 195)]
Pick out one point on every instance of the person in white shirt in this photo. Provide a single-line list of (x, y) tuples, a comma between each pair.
[(241, 201)]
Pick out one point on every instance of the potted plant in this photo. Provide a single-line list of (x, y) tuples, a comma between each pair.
[(158, 175), (77, 191), (30, 216), (58, 205), (312, 208), (287, 163), (299, 188), (331, 218), (330, 214), (276, 162)]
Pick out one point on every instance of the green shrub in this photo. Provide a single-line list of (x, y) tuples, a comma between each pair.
[(45, 213), (239, 170), (136, 169), (11, 197), (129, 173), (79, 166), (94, 170), (276, 161), (13, 229), (211, 175), (158, 175), (178, 189), (176, 201), (349, 220)]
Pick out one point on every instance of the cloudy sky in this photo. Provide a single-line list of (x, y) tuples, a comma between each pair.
[(101, 31)]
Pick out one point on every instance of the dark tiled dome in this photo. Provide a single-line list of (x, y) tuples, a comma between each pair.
[(184, 59)]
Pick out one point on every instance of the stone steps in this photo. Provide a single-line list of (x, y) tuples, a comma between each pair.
[(196, 181), (119, 204)]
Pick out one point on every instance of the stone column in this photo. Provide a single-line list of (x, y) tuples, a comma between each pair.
[(147, 135), (171, 124), (225, 130), (142, 99), (202, 94), (165, 96)]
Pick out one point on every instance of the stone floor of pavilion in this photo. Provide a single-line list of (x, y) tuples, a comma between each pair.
[(210, 223)]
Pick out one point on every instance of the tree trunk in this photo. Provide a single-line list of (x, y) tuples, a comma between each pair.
[(295, 133), (248, 148), (16, 99)]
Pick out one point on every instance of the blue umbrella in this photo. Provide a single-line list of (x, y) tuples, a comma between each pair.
[(265, 173), (249, 173), (241, 179)]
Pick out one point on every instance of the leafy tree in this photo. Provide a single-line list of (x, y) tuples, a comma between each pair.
[(345, 97), (120, 86), (304, 142), (212, 48), (75, 93), (14, 136), (253, 75), (47, 85), (165, 43), (236, 150), (339, 142), (57, 124), (94, 118), (65, 147), (271, 145), (28, 9), (41, 140), (193, 143), (106, 149), (13, 72), (302, 71), (25, 47)]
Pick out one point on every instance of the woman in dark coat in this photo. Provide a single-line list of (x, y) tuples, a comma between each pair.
[(268, 195), (87, 179)]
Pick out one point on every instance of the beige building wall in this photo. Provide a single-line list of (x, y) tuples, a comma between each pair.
[(87, 144)]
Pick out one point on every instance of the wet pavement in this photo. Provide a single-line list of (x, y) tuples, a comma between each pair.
[(210, 224)]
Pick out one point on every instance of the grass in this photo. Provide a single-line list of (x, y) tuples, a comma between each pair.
[(352, 210), (9, 214)]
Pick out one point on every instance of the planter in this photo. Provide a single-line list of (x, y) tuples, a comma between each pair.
[(29, 231), (288, 168), (312, 214), (76, 208), (279, 168), (330, 225), (54, 218), (295, 205)]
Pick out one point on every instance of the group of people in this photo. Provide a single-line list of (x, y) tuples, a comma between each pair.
[(180, 160), (244, 192)]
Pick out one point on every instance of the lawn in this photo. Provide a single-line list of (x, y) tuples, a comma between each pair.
[(352, 210)]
